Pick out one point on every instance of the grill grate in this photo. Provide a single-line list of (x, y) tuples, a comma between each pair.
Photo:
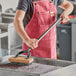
[(36, 68)]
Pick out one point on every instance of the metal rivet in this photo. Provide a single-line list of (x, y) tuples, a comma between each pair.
[(35, 3)]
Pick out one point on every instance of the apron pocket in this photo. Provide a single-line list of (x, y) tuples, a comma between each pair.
[(44, 18)]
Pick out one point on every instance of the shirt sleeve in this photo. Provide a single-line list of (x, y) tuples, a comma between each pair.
[(60, 2), (22, 5)]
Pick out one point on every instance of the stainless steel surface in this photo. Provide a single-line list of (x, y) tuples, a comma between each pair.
[(6, 20), (66, 71), (9, 39), (4, 26), (36, 68), (73, 22), (7, 17), (40, 67)]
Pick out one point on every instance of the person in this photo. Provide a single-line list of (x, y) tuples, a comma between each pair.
[(39, 15)]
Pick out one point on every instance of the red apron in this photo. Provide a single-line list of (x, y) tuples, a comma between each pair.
[(43, 17)]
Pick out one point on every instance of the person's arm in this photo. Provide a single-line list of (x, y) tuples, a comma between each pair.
[(68, 8), (18, 23)]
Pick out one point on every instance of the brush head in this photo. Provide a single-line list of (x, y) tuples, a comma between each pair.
[(21, 60)]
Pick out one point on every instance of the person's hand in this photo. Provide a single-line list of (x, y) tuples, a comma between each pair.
[(65, 18), (68, 8), (32, 43)]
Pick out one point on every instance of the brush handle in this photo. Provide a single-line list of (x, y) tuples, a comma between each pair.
[(28, 50), (49, 29)]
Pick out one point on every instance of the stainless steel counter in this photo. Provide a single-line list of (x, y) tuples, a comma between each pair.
[(40, 67)]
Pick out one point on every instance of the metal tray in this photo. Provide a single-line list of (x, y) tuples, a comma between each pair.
[(40, 67)]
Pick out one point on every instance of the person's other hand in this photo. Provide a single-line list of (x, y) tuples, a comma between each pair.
[(32, 43), (64, 17)]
